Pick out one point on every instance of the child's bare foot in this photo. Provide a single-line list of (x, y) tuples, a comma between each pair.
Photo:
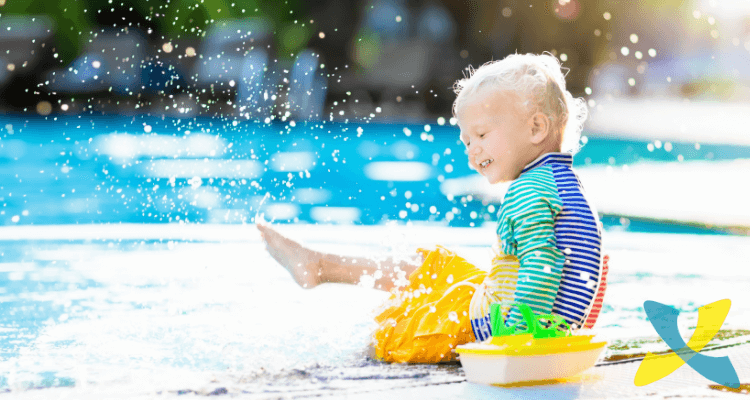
[(302, 263)]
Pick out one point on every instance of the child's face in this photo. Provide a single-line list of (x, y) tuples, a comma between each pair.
[(495, 133)]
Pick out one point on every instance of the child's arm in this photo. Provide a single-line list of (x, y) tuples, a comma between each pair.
[(526, 230), (540, 262), (528, 278), (310, 268)]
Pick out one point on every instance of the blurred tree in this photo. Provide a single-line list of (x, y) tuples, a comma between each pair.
[(69, 16), (76, 20)]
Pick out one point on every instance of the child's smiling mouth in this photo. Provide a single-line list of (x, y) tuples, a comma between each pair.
[(485, 163)]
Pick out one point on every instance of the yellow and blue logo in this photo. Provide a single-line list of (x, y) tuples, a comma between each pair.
[(664, 319)]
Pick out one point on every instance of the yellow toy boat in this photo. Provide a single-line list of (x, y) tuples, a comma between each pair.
[(514, 355)]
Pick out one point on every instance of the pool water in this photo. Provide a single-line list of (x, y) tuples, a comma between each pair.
[(67, 170)]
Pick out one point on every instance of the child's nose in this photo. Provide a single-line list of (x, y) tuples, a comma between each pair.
[(475, 150)]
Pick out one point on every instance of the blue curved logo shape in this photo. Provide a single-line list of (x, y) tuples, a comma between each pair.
[(664, 320)]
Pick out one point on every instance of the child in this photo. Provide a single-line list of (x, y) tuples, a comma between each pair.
[(515, 117)]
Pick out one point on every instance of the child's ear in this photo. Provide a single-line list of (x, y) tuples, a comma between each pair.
[(540, 127)]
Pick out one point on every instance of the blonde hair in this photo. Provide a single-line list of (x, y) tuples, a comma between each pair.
[(539, 81)]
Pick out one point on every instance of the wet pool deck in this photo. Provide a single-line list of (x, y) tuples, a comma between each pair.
[(602, 382), (224, 266), (610, 382)]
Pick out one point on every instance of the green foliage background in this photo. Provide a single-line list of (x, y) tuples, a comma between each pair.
[(76, 19)]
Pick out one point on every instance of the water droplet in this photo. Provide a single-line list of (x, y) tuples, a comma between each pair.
[(449, 279), (453, 316), (44, 107)]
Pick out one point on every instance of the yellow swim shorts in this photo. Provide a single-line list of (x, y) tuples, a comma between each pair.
[(424, 322)]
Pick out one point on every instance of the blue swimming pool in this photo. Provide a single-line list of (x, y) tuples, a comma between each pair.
[(140, 169)]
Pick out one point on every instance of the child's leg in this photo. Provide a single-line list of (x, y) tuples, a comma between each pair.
[(311, 268)]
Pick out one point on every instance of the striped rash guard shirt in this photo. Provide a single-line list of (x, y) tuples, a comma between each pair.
[(550, 242)]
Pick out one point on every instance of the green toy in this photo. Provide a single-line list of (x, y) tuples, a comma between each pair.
[(533, 326)]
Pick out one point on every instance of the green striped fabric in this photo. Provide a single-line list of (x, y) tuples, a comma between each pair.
[(526, 229)]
